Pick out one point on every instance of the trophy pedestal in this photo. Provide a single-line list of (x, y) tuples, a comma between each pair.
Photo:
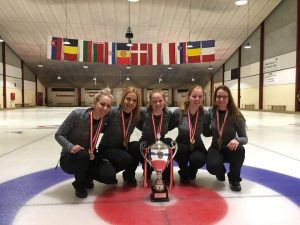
[(159, 196), (159, 155)]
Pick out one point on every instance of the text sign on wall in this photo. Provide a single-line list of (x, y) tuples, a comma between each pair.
[(271, 79), (271, 64), (280, 77)]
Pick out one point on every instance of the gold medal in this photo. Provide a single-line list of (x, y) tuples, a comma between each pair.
[(92, 156), (220, 130), (192, 141), (125, 145)]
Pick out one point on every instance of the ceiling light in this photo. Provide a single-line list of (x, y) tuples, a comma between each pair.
[(189, 45), (66, 41), (247, 45), (170, 68), (210, 67), (128, 67), (129, 34), (241, 2), (94, 79), (58, 77), (129, 43), (127, 78), (85, 66), (1, 39), (40, 65), (133, 0), (193, 79)]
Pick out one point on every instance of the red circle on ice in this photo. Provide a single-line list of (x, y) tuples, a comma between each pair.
[(188, 205)]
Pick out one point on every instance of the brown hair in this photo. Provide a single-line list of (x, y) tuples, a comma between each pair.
[(233, 111), (136, 110), (186, 102), (154, 92)]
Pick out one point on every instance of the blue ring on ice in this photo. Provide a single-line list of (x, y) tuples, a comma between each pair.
[(16, 192)]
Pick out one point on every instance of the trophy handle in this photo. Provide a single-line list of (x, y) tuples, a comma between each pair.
[(174, 146), (143, 147)]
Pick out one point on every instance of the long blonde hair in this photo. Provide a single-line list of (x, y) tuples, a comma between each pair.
[(105, 92)]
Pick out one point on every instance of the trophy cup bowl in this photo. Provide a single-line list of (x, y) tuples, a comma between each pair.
[(159, 155)]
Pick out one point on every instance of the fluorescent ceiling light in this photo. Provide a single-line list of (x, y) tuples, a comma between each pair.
[(247, 45), (241, 2)]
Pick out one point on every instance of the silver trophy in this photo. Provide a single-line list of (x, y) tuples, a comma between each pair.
[(159, 156)]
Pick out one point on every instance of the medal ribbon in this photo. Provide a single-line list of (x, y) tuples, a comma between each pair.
[(126, 130), (220, 131), (192, 130), (93, 140), (158, 130)]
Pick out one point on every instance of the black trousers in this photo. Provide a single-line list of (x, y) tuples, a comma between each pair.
[(121, 158), (134, 151), (216, 158), (189, 161), (85, 169)]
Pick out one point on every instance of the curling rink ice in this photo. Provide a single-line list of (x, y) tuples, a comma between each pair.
[(32, 192)]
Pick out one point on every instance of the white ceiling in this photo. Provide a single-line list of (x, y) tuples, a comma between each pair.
[(26, 24)]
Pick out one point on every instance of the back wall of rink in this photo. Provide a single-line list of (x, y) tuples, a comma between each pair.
[(84, 96)]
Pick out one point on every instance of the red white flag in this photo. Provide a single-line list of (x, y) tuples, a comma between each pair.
[(154, 54), (139, 54), (110, 52), (169, 53)]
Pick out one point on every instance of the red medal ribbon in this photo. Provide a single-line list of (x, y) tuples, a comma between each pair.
[(124, 128), (192, 130), (220, 131), (94, 139), (158, 130)]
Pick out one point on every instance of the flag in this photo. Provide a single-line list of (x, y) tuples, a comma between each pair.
[(98, 52), (181, 52), (139, 54), (54, 48), (154, 54), (71, 50), (169, 53), (110, 52), (208, 51), (123, 54), (194, 52), (85, 51)]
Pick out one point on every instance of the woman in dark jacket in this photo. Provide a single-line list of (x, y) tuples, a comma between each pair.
[(228, 129), (190, 119), (115, 145), (78, 136)]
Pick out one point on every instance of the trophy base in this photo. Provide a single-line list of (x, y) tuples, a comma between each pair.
[(159, 196)]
